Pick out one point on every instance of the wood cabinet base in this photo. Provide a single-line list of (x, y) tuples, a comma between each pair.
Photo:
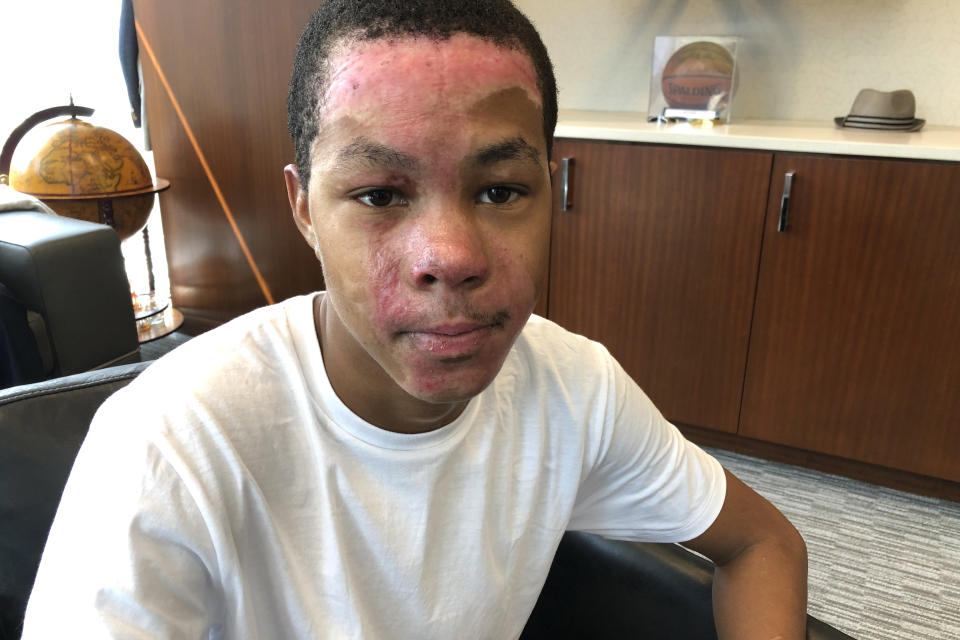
[(883, 476)]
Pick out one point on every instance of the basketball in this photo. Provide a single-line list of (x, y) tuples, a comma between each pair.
[(698, 76)]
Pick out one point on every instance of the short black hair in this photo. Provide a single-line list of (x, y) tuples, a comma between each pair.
[(496, 21)]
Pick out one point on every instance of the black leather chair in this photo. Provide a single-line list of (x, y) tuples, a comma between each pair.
[(596, 589), (70, 277)]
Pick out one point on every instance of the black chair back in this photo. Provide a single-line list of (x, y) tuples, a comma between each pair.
[(41, 428)]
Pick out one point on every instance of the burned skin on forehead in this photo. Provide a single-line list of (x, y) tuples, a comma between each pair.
[(522, 110), (363, 66), (367, 79)]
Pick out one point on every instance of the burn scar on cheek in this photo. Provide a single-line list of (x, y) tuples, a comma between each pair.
[(390, 306)]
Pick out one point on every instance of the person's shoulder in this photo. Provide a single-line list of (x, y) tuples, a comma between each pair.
[(543, 344), (232, 354), (541, 333)]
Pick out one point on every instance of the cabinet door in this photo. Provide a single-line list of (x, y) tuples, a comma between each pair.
[(855, 349), (657, 259)]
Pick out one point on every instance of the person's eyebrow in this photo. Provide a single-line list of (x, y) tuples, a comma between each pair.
[(365, 151), (512, 149)]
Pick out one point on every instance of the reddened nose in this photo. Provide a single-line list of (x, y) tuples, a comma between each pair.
[(450, 252)]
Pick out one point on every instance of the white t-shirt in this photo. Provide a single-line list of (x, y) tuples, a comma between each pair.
[(227, 492)]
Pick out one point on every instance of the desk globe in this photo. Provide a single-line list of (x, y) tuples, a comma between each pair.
[(82, 171), (90, 173)]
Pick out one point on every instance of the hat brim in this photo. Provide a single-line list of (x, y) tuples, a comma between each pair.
[(913, 125)]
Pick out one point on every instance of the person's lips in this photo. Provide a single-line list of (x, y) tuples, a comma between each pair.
[(456, 329), (451, 340)]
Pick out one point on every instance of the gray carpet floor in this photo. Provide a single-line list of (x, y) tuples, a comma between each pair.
[(883, 564)]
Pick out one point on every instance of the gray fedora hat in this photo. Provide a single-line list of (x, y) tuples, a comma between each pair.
[(883, 110)]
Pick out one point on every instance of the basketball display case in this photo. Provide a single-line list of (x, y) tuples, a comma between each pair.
[(694, 78)]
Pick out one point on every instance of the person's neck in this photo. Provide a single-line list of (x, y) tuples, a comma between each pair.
[(379, 401)]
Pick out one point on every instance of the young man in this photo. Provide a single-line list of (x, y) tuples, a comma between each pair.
[(398, 456)]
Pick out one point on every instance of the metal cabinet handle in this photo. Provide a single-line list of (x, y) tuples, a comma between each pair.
[(785, 200), (566, 199)]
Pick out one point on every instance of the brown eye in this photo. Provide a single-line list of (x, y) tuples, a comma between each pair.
[(380, 198), (498, 195)]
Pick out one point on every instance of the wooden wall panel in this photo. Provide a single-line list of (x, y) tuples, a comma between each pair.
[(226, 64)]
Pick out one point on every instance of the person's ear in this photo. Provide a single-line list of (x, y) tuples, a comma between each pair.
[(299, 205)]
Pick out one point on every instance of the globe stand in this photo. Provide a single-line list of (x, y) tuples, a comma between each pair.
[(155, 317), (146, 307), (151, 283), (156, 322)]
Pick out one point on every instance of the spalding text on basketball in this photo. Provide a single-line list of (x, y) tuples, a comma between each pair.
[(712, 90)]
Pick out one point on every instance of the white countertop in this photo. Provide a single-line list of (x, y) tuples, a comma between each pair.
[(933, 142)]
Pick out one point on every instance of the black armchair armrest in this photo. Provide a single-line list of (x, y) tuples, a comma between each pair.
[(599, 588)]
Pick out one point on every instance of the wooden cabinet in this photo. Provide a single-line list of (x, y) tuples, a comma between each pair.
[(657, 259), (855, 347), (838, 335)]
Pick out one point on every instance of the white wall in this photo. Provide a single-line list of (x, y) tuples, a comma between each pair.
[(801, 59)]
